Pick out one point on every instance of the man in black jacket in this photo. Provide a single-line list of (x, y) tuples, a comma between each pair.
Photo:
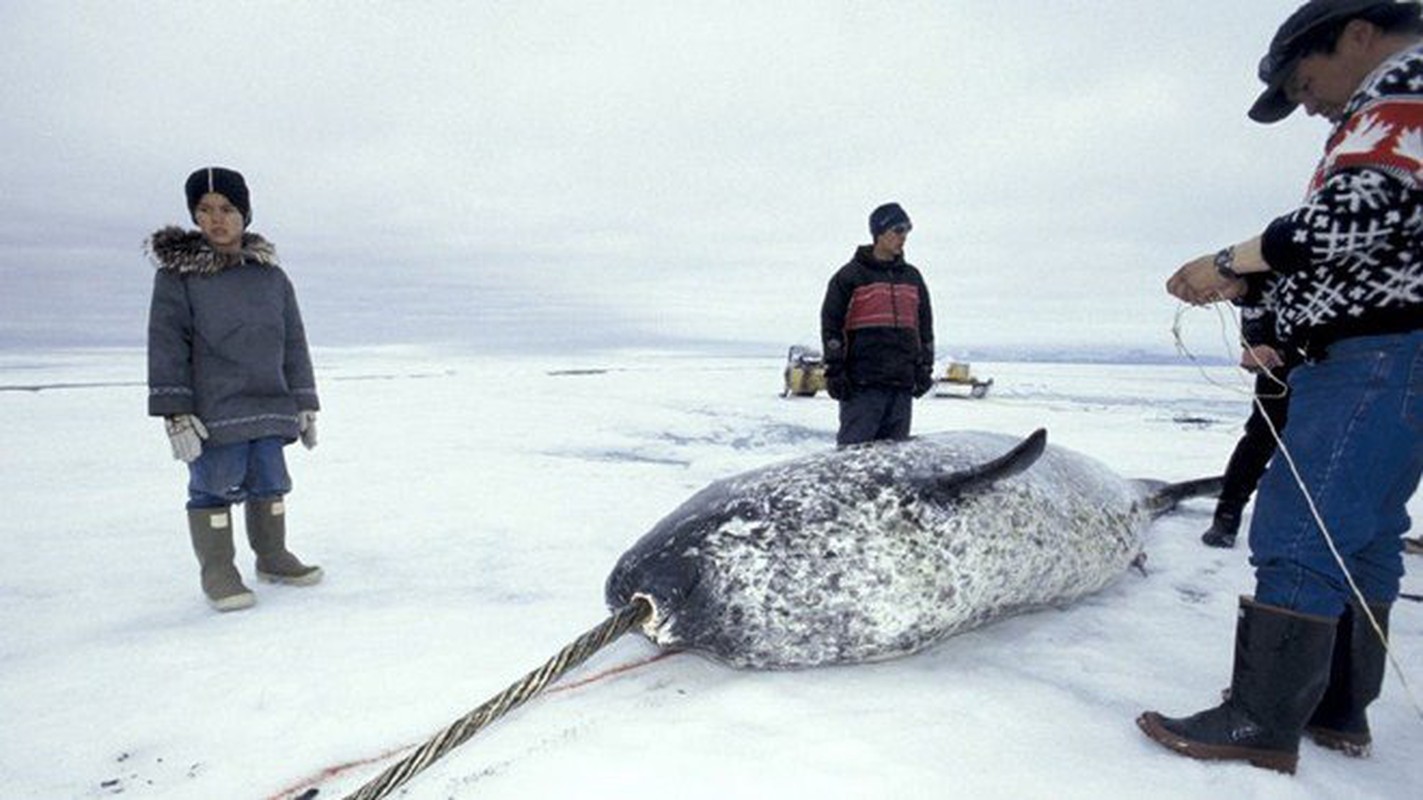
[(877, 328), (1270, 362)]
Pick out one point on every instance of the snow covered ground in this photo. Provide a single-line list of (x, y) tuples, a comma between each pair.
[(466, 511)]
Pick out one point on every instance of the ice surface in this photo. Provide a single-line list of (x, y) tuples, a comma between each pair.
[(466, 511)]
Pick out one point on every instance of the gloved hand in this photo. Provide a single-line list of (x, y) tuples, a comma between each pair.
[(838, 386), (306, 423), (923, 382), (186, 434)]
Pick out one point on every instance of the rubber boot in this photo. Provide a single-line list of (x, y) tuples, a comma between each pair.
[(1282, 661), (267, 533), (1355, 678), (1223, 529), (211, 532)]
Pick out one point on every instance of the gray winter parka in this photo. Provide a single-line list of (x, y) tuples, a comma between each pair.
[(225, 339)]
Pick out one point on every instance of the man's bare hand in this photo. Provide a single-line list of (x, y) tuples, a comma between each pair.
[(1198, 283)]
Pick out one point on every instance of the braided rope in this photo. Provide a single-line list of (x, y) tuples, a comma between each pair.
[(522, 690)]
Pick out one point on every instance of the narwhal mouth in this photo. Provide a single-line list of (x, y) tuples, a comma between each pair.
[(656, 626)]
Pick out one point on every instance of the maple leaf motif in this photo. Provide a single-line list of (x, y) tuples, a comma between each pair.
[(1410, 146), (1362, 138)]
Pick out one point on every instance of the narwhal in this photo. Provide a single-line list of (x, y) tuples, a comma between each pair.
[(860, 554), (882, 550)]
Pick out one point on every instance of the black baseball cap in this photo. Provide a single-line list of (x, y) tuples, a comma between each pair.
[(1284, 54)]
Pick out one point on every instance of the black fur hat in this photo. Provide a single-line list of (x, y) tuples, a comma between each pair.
[(226, 182)]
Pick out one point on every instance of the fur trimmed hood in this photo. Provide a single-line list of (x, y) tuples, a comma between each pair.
[(187, 252)]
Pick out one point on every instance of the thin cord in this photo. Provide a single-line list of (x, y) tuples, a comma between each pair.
[(1242, 386)]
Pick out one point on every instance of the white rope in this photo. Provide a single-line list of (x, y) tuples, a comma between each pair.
[(1228, 320)]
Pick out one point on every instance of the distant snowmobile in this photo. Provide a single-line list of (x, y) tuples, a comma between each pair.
[(804, 373)]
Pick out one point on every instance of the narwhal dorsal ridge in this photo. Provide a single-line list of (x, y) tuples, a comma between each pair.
[(983, 476)]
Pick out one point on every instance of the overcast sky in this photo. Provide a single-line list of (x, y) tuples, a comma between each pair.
[(608, 172)]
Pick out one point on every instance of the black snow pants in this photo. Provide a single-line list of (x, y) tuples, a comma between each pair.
[(1254, 450)]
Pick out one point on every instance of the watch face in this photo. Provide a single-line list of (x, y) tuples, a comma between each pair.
[(1225, 263)]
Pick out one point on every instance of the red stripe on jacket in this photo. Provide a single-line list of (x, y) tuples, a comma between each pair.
[(884, 305)]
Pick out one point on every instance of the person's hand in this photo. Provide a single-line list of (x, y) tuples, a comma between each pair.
[(186, 434), (306, 423), (923, 382), (1259, 358), (1199, 282), (837, 385)]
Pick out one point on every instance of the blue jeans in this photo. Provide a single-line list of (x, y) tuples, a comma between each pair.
[(1356, 435), (873, 413), (232, 473)]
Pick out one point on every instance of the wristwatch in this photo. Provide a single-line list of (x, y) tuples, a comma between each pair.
[(1225, 264)]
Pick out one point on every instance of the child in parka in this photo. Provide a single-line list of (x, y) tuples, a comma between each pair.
[(230, 373)]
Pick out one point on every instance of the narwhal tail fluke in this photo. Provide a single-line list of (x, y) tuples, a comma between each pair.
[(619, 622), (1163, 497)]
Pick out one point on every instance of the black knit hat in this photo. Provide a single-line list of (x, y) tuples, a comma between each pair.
[(224, 181), (1285, 49), (887, 216)]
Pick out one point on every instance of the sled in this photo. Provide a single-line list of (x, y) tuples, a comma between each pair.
[(958, 381)]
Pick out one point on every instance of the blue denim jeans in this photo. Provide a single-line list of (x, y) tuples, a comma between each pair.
[(1356, 435), (232, 473)]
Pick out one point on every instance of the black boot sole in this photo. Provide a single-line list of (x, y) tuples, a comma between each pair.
[(1353, 745), (1151, 725)]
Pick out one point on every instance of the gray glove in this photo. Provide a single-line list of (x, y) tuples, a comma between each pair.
[(186, 434), (306, 422)]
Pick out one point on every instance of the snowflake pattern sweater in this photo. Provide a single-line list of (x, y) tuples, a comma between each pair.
[(1349, 261)]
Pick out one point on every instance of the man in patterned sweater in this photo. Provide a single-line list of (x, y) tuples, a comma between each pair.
[(1343, 274)]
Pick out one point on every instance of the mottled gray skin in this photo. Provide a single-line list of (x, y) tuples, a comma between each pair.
[(881, 550)]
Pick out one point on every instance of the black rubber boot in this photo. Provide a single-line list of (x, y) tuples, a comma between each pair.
[(1282, 661), (1355, 678), (1223, 529)]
